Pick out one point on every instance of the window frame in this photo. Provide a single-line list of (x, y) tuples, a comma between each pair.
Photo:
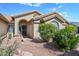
[(56, 24)]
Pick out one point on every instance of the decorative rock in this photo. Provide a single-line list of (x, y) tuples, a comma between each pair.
[(26, 53), (23, 53)]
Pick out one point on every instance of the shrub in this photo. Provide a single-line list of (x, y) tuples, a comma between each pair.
[(6, 52), (9, 49), (46, 31), (0, 42), (65, 39), (71, 28)]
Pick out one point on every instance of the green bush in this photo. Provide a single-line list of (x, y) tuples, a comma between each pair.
[(47, 31), (9, 50), (66, 39), (6, 52), (71, 28), (0, 42)]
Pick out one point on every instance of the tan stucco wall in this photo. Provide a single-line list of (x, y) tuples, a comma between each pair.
[(30, 29), (36, 30), (36, 33), (3, 27)]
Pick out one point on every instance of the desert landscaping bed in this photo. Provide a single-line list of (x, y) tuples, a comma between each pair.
[(28, 47)]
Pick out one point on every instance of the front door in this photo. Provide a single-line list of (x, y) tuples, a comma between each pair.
[(23, 30)]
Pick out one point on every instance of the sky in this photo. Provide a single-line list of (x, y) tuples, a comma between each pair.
[(70, 11)]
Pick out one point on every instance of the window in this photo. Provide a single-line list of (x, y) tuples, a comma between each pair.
[(10, 28), (56, 24), (78, 29)]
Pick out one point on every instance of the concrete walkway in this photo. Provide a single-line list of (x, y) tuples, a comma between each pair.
[(37, 49)]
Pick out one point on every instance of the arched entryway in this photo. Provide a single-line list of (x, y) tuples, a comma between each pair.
[(23, 28)]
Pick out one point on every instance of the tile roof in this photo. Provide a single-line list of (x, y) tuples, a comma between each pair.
[(3, 18), (49, 16), (9, 18)]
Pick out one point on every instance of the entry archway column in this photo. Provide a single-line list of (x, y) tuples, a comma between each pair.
[(16, 28)]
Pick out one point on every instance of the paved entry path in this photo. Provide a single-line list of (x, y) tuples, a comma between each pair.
[(30, 47)]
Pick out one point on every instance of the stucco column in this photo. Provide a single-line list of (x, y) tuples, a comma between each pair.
[(16, 28), (36, 32)]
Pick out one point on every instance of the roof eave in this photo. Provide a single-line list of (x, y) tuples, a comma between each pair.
[(27, 13), (3, 18), (54, 13)]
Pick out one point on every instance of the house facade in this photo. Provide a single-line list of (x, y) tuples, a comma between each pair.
[(26, 24), (77, 25), (3, 25)]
